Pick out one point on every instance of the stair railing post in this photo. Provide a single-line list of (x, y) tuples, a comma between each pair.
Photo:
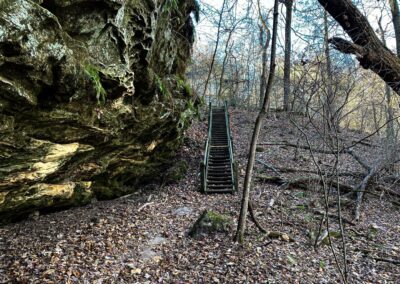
[(207, 151), (230, 146)]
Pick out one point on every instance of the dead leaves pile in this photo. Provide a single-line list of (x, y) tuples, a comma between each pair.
[(115, 242)]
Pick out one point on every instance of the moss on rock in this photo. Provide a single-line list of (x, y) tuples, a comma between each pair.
[(58, 60), (210, 223)]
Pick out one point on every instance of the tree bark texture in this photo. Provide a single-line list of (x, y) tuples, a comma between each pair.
[(288, 51), (256, 132), (369, 50), (264, 43), (394, 8), (330, 108), (390, 133)]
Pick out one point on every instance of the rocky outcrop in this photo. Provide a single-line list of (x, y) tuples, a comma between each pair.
[(93, 101)]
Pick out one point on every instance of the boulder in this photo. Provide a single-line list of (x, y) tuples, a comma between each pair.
[(93, 99), (211, 223)]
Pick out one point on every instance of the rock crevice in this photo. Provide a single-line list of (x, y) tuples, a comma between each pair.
[(93, 100)]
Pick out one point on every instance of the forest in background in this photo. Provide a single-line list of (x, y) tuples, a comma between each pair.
[(236, 38), (315, 61), (309, 146)]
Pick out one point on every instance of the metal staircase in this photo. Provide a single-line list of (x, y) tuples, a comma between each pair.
[(218, 170)]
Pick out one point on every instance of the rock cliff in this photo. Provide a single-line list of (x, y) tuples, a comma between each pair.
[(93, 100)]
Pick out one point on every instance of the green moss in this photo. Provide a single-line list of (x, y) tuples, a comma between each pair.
[(218, 221), (185, 87), (170, 6), (211, 222), (161, 87), (93, 73), (186, 117)]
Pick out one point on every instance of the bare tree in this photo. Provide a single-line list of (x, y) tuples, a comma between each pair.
[(329, 104), (256, 132), (265, 37), (394, 8), (369, 50), (288, 54), (216, 48)]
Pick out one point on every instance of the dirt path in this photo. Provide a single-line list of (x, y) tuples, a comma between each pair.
[(142, 238)]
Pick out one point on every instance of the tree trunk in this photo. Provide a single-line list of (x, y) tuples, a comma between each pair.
[(288, 51), (390, 133), (256, 132), (394, 7), (221, 79), (369, 50), (329, 104), (215, 51), (264, 43)]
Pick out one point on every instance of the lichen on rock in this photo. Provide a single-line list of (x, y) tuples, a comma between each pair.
[(80, 101)]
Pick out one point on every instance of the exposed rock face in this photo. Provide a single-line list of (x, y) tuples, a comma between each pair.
[(92, 97)]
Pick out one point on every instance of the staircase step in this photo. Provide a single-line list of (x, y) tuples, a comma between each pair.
[(219, 171)]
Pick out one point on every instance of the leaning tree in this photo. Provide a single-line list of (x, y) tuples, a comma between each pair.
[(365, 45)]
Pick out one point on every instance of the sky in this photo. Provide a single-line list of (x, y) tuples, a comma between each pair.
[(206, 31)]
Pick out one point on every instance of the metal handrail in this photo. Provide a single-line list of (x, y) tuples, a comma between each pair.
[(207, 149), (230, 144)]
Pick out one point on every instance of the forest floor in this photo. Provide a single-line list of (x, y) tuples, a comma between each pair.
[(143, 238)]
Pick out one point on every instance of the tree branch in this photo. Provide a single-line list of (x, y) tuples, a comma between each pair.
[(371, 52)]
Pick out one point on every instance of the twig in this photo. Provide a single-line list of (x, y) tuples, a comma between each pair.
[(269, 167), (144, 206), (389, 260)]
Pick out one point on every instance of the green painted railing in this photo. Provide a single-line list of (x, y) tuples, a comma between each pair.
[(230, 146), (204, 164)]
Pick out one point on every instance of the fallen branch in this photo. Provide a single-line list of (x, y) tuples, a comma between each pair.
[(346, 150), (254, 218), (280, 170), (304, 147), (368, 253), (388, 190), (303, 183), (361, 189), (389, 260), (144, 206), (331, 215), (269, 166), (359, 159), (270, 234)]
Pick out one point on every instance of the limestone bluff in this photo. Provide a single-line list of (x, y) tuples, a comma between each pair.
[(93, 99)]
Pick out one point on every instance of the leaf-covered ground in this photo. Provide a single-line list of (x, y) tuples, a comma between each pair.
[(142, 238)]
